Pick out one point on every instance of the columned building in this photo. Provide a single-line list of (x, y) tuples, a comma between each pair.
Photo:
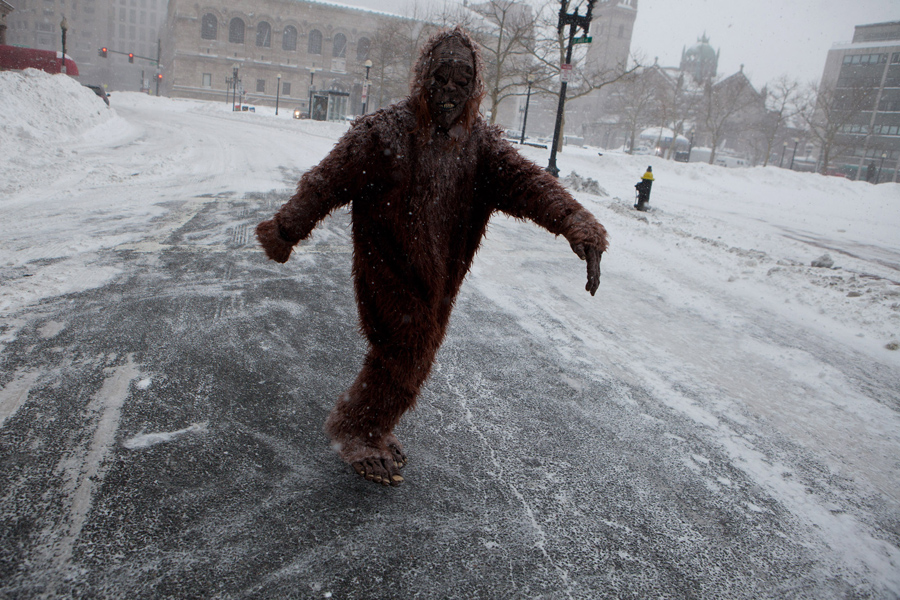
[(867, 68), (240, 51)]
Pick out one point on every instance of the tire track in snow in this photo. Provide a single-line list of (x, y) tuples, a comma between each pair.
[(15, 393), (85, 472)]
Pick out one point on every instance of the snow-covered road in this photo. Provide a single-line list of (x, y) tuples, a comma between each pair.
[(721, 420)]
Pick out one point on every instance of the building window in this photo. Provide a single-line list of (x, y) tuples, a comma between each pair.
[(289, 39), (362, 49), (207, 80), (260, 85), (209, 27), (264, 35), (315, 42), (236, 31), (285, 89), (339, 47)]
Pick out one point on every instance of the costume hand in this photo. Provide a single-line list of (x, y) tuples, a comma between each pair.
[(271, 241), (592, 255)]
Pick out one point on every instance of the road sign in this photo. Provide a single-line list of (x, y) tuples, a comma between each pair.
[(583, 40), (565, 72)]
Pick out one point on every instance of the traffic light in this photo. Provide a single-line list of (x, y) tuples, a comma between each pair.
[(130, 57), (102, 52), (159, 76)]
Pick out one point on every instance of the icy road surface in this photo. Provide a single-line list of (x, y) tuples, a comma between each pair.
[(720, 421)]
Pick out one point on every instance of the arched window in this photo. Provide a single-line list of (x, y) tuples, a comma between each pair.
[(209, 27), (339, 48), (289, 39), (362, 49), (264, 35), (236, 31), (315, 42)]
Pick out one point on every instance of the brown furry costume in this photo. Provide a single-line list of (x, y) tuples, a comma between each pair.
[(421, 198)]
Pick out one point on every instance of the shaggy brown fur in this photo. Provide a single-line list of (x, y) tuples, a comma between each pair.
[(421, 200)]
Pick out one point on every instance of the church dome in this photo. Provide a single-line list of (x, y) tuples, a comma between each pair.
[(700, 60)]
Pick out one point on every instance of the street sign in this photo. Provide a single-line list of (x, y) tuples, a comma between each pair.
[(583, 40), (565, 72)]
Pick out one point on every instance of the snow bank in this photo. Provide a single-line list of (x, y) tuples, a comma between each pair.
[(42, 113)]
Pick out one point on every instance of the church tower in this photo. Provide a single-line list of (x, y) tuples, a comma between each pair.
[(611, 29)]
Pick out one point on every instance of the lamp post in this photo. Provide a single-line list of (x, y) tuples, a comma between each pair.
[(794, 154), (312, 74), (365, 94), (883, 156), (574, 21), (783, 148), (691, 145), (530, 80), (234, 83), (64, 26), (277, 92)]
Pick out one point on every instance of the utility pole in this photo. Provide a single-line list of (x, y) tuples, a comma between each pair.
[(64, 27), (158, 74), (575, 22)]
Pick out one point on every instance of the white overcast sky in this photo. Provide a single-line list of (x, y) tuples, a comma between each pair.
[(769, 37)]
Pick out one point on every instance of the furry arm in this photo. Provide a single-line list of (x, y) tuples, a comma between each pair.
[(523, 190), (332, 183)]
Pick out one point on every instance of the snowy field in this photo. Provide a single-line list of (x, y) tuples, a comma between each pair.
[(709, 302)]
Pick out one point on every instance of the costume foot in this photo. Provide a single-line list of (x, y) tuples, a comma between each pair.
[(393, 444), (373, 461), (378, 470)]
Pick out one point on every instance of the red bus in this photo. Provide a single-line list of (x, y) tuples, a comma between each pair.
[(15, 58)]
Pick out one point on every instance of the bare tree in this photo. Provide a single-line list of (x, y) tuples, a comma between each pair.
[(671, 105), (781, 97), (633, 99), (724, 103), (831, 114), (504, 29), (395, 48), (549, 52)]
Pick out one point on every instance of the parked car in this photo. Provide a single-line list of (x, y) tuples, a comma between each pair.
[(299, 114), (99, 91)]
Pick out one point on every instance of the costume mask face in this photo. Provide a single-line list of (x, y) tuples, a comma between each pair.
[(450, 82)]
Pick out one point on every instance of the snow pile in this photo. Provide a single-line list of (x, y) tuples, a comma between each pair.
[(42, 113)]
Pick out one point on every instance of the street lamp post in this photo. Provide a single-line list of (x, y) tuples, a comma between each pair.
[(530, 80), (574, 21), (64, 27), (365, 99), (277, 92), (783, 148), (234, 83), (794, 154), (883, 156), (312, 74)]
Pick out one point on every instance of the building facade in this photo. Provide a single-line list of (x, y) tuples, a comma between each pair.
[(301, 54), (122, 26), (867, 67)]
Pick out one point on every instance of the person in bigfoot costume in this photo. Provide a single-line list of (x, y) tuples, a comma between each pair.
[(423, 177)]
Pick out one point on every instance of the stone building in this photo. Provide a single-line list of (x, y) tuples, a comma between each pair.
[(868, 66), (121, 26), (5, 9), (241, 51)]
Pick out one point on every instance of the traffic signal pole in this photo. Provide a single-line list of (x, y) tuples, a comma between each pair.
[(103, 52), (574, 21)]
